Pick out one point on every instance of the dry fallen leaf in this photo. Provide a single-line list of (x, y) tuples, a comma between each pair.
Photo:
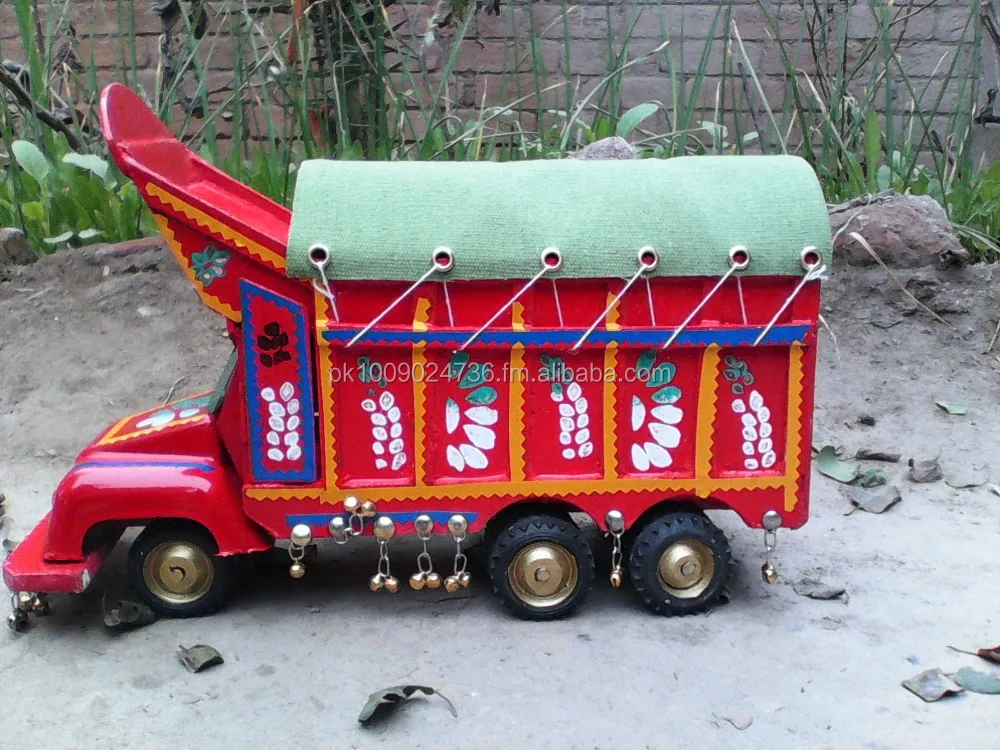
[(383, 702), (198, 658), (932, 685), (991, 655)]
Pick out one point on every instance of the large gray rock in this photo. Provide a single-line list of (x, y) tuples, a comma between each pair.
[(907, 231), (606, 148), (14, 250)]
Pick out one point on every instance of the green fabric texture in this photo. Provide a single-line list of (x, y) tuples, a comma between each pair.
[(383, 220)]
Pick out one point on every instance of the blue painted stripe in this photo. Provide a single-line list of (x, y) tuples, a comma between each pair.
[(200, 466), (438, 516), (729, 337)]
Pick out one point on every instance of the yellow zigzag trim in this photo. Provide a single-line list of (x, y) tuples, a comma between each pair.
[(112, 437), (708, 395), (793, 446), (211, 302), (610, 413), (327, 411), (516, 428), (207, 222), (419, 412)]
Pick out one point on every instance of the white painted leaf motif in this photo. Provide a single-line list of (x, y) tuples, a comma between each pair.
[(749, 433), (639, 458), (569, 454), (738, 406), (581, 406), (582, 421), (556, 396), (398, 460), (287, 391), (386, 400), (665, 434), (291, 438), (764, 415), (566, 423), (483, 415), (275, 454), (396, 430), (273, 438), (378, 420), (396, 446), (454, 456), (293, 406), (765, 430), (381, 463), (394, 414), (751, 464), (368, 405), (451, 416), (157, 420), (565, 410), (668, 414), (658, 457), (267, 394), (574, 391), (292, 423), (749, 420), (185, 413), (765, 445), (294, 453), (276, 423), (565, 438), (638, 413), (276, 409), (582, 436), (474, 458), (379, 433), (586, 449), (748, 449), (756, 400), (481, 437), (378, 449), (768, 459)]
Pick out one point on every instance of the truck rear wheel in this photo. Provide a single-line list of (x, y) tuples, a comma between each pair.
[(175, 569), (541, 567), (679, 564)]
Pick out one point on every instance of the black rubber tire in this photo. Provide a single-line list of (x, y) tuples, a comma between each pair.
[(530, 530), (653, 540), (224, 573)]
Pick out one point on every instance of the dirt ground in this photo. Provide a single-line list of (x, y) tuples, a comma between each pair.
[(86, 338)]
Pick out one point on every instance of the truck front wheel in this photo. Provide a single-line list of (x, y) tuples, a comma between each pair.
[(175, 569)]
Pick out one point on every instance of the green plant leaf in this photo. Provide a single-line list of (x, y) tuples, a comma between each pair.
[(31, 160), (58, 239), (668, 395), (482, 396), (662, 374), (644, 367), (90, 162), (89, 234), (33, 210), (873, 146), (634, 117)]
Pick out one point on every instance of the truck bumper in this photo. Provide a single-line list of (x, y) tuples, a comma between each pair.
[(27, 570)]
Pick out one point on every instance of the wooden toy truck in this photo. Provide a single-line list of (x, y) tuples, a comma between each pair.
[(454, 348)]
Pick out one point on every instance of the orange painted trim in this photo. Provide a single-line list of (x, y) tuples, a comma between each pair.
[(610, 414), (708, 397), (516, 428), (796, 375), (324, 355), (112, 437)]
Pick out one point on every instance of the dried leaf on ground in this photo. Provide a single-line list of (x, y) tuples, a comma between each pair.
[(960, 480), (925, 472), (816, 589), (740, 721), (867, 420), (995, 489), (991, 655), (978, 682), (872, 478), (121, 615), (199, 657), (869, 455), (952, 408), (932, 685), (878, 501), (829, 465), (383, 702)]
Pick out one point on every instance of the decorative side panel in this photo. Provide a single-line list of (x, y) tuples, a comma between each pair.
[(279, 387)]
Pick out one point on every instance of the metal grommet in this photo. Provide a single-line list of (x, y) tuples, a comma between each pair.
[(648, 259), (811, 258), (319, 255), (552, 258), (739, 258), (443, 259)]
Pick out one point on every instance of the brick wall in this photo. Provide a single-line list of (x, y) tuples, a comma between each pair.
[(484, 72)]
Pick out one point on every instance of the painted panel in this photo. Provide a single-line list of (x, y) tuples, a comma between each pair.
[(279, 387)]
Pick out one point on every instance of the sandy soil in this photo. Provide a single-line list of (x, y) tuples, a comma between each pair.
[(86, 338)]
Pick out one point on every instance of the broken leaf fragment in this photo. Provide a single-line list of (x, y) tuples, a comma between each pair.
[(978, 682), (870, 455), (383, 702), (924, 472), (932, 685), (199, 657), (816, 589), (740, 721), (961, 480), (122, 615), (952, 408), (872, 478), (878, 501), (829, 465), (992, 655)]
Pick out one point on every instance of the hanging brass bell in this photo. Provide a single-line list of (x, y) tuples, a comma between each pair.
[(392, 584), (367, 509), (377, 582), (451, 584), (769, 573), (297, 570), (418, 581), (433, 581), (464, 579), (457, 525), (351, 504), (616, 578)]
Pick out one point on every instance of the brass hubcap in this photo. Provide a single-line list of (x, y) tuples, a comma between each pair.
[(178, 572), (686, 568), (543, 575)]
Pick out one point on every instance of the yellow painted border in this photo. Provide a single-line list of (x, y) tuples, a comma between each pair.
[(516, 428), (207, 222), (211, 302), (324, 353), (610, 413), (708, 395), (419, 413), (793, 445), (113, 437)]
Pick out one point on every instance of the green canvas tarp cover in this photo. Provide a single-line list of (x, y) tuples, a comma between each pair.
[(383, 220)]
